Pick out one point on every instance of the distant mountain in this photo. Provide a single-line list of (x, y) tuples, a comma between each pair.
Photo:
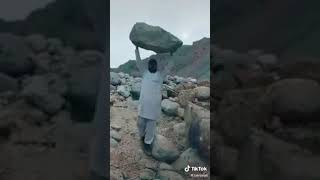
[(65, 19), (281, 26), (189, 61)]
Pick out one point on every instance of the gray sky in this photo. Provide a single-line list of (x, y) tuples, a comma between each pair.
[(189, 20), (19, 9)]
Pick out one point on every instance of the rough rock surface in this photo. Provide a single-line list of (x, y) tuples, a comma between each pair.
[(154, 38)]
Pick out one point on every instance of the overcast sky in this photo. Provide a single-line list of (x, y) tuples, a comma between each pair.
[(19, 9), (189, 20)]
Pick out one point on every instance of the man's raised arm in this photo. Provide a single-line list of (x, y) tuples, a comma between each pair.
[(139, 62)]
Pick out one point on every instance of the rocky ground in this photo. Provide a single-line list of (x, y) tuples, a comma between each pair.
[(42, 84), (266, 112), (172, 150)]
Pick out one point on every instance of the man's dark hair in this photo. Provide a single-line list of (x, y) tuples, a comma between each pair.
[(152, 65)]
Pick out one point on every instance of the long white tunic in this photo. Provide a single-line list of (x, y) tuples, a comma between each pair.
[(150, 95)]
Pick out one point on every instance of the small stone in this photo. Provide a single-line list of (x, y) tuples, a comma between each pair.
[(113, 143), (115, 126), (115, 135)]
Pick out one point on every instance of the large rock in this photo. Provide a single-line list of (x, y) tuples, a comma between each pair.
[(42, 62), (154, 38), (8, 83), (188, 157), (291, 166), (37, 92), (164, 150), (295, 99), (238, 112), (186, 96), (198, 128), (14, 55), (82, 91), (135, 90), (115, 79), (202, 93), (37, 42), (124, 90), (169, 107), (18, 115)]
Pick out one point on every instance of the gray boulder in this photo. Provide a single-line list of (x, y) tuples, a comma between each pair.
[(202, 93), (82, 89), (55, 45), (124, 90), (189, 157), (37, 42), (135, 90), (295, 99), (154, 38), (37, 92), (164, 150), (115, 79), (14, 55), (169, 108)]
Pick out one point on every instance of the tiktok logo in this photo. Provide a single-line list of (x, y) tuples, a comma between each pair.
[(187, 169)]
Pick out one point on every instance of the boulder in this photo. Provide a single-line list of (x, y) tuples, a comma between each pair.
[(42, 62), (169, 108), (115, 79), (181, 112), (186, 96), (14, 55), (164, 150), (20, 114), (55, 46), (135, 90), (291, 166), (124, 90), (295, 99), (82, 88), (239, 111), (154, 38), (179, 129), (197, 129), (188, 157), (8, 83), (37, 92), (37, 42), (202, 93)]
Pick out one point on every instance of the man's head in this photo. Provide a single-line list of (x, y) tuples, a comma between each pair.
[(152, 65)]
